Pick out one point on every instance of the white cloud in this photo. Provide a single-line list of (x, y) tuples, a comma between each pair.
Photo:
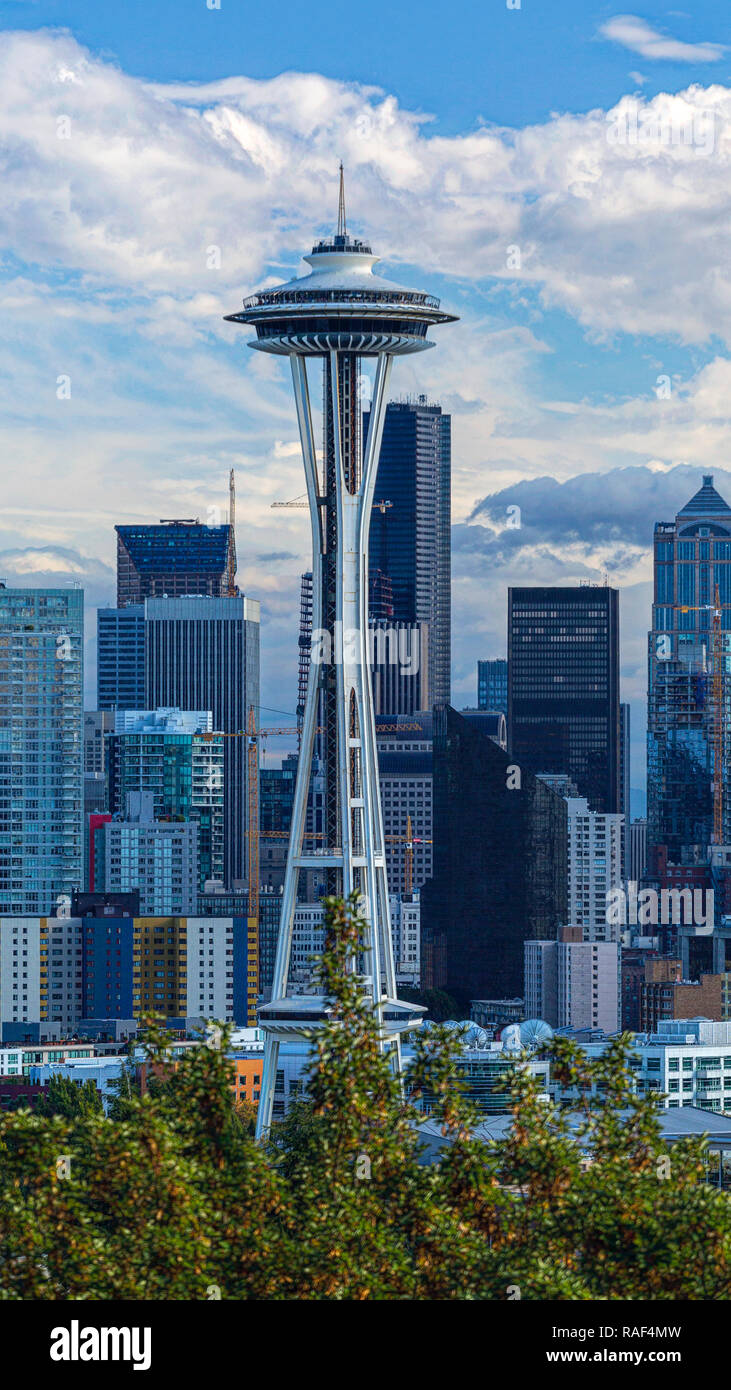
[(635, 34), (108, 232), (620, 217)]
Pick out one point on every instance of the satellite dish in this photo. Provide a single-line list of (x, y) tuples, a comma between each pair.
[(510, 1038), (535, 1033)]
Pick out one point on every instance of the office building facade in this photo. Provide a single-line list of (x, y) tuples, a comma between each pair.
[(500, 865), (120, 660), (563, 687), (492, 684), (410, 541), (173, 559), (405, 779), (203, 654)]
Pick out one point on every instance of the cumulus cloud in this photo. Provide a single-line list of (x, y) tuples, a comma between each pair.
[(619, 217), (639, 37), (589, 522), (133, 216)]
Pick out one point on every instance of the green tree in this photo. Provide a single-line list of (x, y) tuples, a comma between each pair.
[(69, 1099), (169, 1197)]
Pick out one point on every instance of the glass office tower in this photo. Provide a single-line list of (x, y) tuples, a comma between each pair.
[(120, 662), (563, 686), (410, 541), (500, 865), (692, 556), (172, 559), (492, 684), (41, 749)]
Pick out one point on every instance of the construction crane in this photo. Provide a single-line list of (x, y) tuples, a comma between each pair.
[(408, 840), (301, 501), (719, 720), (253, 736), (231, 566)]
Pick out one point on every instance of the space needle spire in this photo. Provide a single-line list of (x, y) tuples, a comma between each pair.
[(338, 315), (342, 223)]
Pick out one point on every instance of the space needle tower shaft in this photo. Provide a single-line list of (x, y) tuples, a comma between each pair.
[(340, 313)]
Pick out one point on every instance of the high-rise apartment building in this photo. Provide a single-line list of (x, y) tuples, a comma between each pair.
[(405, 779), (173, 559), (492, 684), (41, 748), (203, 654), (181, 967), (157, 858), (692, 556), (563, 686), (410, 541), (40, 970), (500, 864), (120, 658), (595, 868), (175, 755), (106, 965), (572, 983)]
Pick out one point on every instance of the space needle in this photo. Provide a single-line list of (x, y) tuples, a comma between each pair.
[(338, 314)]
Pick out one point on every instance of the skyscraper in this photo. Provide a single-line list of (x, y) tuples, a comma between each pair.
[(405, 777), (411, 540), (492, 684), (159, 858), (120, 657), (203, 654), (176, 756), (563, 686), (625, 751), (595, 868), (692, 557), (41, 748), (172, 559), (500, 865)]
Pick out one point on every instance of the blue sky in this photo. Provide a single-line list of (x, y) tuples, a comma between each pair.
[(188, 127)]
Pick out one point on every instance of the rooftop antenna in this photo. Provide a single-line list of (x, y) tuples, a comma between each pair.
[(231, 561), (342, 224)]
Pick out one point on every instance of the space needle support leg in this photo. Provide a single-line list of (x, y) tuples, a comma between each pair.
[(375, 843), (304, 765)]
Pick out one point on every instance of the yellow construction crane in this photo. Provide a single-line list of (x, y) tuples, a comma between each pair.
[(409, 840), (719, 719), (253, 736)]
